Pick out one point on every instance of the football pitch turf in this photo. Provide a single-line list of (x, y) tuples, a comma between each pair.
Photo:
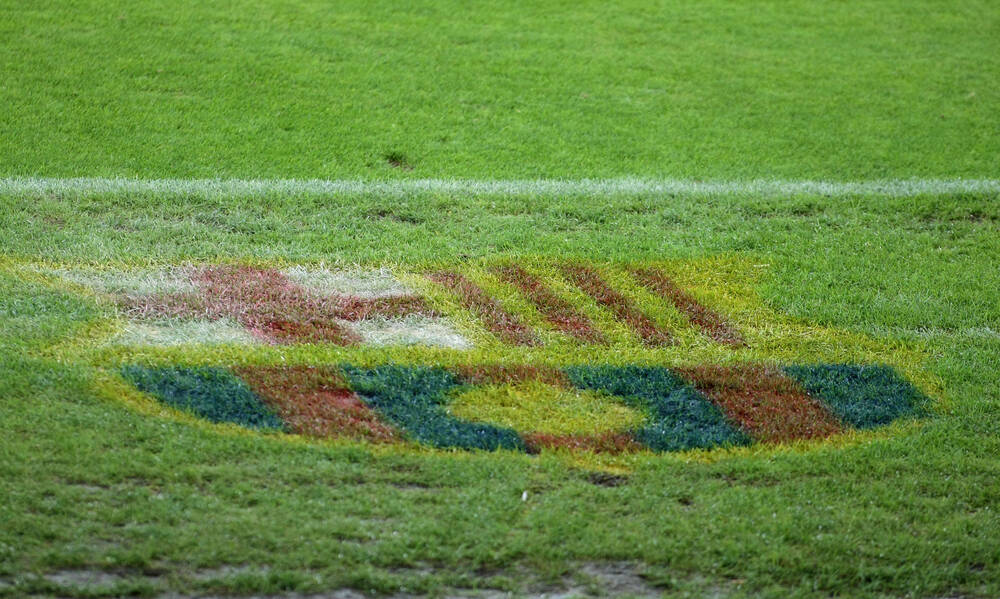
[(684, 299)]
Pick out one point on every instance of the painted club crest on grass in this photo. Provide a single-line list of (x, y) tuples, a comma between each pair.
[(524, 356)]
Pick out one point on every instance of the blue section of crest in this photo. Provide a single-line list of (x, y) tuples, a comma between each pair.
[(413, 398), (861, 396), (212, 393), (679, 417)]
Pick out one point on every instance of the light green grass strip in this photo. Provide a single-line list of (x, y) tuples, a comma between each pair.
[(579, 187)]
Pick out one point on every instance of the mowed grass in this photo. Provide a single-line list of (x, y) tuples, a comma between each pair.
[(312, 89), (92, 485), (708, 90)]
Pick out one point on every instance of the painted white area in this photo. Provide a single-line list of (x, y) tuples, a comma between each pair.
[(581, 187), (129, 282), (410, 330), (359, 283), (182, 332)]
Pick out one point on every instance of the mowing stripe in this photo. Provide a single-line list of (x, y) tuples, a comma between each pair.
[(623, 308), (711, 323), (580, 187)]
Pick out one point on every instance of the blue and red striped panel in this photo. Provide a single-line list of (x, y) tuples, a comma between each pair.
[(684, 408)]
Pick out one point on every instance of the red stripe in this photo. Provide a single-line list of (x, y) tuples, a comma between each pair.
[(714, 325), (768, 405), (317, 402), (558, 312), (611, 443), (624, 309), (503, 324)]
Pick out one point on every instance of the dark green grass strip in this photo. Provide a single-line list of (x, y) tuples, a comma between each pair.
[(212, 393), (413, 398), (861, 396), (679, 416)]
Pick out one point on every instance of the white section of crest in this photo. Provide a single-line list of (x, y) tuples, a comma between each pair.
[(183, 332), (175, 279), (580, 187), (360, 283), (410, 330)]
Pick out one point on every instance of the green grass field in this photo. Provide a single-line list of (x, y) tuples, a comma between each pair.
[(466, 139)]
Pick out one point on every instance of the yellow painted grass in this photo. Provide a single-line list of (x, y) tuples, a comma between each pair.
[(538, 407)]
